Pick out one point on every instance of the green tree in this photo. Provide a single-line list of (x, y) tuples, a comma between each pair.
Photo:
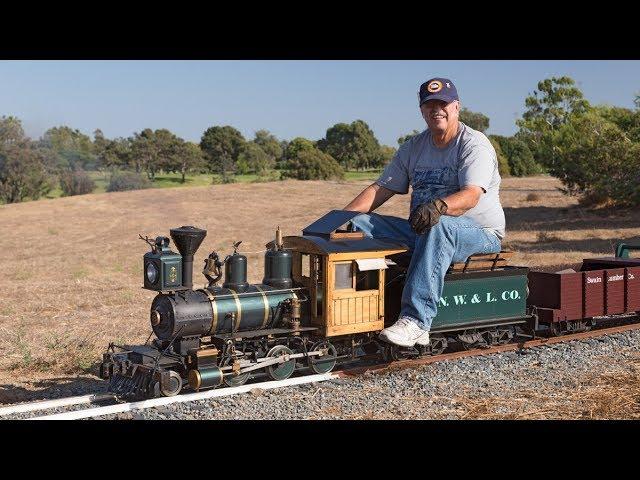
[(595, 159), (281, 161), (407, 137), (352, 145), (519, 158), (503, 164), (22, 173), (626, 119), (155, 150), (99, 141), (11, 131), (475, 120), (253, 159), (189, 156), (222, 146), (296, 146), (549, 107), (386, 155), (314, 165), (269, 144), (115, 154), (74, 148)]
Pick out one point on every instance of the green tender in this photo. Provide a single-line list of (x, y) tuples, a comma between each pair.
[(469, 298)]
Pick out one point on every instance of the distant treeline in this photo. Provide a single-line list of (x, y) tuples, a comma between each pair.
[(593, 150)]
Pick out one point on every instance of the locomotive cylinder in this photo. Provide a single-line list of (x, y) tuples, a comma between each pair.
[(235, 273), (205, 378)]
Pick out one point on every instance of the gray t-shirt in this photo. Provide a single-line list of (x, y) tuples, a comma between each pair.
[(433, 172)]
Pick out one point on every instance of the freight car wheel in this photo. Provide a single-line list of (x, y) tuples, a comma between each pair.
[(371, 348), (281, 371), (175, 385), (326, 362), (438, 345), (393, 353)]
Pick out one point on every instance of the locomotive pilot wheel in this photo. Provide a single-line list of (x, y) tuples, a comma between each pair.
[(326, 362), (281, 371), (175, 385)]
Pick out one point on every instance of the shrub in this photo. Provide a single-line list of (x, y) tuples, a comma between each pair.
[(219, 179), (269, 176), (124, 181), (314, 165), (23, 174), (533, 197), (76, 182)]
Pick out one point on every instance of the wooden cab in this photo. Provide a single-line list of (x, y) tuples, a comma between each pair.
[(344, 273)]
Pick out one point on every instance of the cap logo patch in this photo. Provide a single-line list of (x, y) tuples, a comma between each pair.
[(434, 86)]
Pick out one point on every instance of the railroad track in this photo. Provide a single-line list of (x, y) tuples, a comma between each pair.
[(117, 407)]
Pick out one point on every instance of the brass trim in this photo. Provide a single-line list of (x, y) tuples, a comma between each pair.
[(195, 378), (266, 306), (214, 323), (238, 307), (214, 309), (208, 352)]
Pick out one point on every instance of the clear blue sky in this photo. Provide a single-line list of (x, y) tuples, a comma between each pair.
[(289, 98)]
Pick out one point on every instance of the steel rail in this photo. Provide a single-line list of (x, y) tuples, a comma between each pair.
[(346, 373), (189, 397), (58, 402)]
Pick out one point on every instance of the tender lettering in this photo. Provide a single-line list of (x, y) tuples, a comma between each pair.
[(488, 297), (460, 299)]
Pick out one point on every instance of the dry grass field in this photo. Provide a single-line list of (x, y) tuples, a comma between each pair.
[(72, 267)]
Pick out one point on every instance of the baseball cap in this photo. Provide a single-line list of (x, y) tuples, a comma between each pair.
[(438, 89)]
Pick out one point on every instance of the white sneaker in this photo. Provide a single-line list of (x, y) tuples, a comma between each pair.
[(423, 340), (404, 333)]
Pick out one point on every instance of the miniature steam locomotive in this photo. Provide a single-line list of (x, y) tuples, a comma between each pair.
[(322, 301)]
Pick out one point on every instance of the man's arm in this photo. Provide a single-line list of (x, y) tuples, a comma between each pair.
[(370, 198), (463, 200)]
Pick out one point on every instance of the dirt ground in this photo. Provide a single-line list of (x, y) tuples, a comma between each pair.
[(72, 267)]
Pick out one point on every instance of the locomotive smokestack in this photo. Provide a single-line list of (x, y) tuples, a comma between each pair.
[(187, 240)]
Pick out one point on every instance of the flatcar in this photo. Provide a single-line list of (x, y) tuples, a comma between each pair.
[(326, 295)]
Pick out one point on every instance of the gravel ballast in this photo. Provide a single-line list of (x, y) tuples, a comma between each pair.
[(532, 383)]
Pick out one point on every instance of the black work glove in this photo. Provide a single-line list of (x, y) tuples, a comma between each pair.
[(427, 215)]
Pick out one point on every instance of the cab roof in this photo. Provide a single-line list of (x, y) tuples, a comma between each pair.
[(324, 246)]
